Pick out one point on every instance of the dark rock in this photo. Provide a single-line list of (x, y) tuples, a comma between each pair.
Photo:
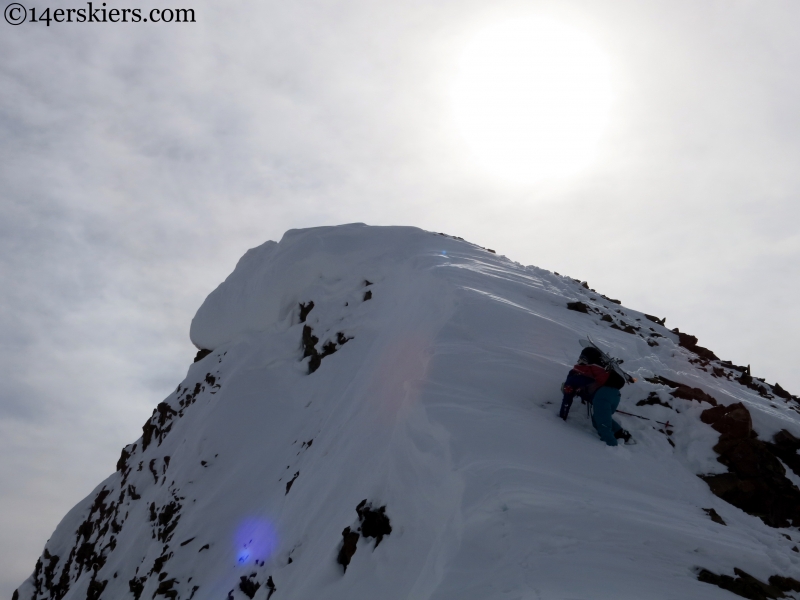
[(785, 584), (37, 571), (309, 341), (744, 585), (367, 295), (158, 564), (607, 318), (270, 586), (739, 368), (327, 349), (289, 484), (15, 595), (95, 589), (683, 391), (625, 327), (155, 425), (166, 519), (651, 400), (719, 372), (612, 300), (655, 319), (374, 523), (205, 547), (165, 589), (136, 586), (785, 446), (780, 392), (690, 343), (714, 516), (748, 381), (201, 354), (756, 481), (732, 421), (189, 541), (85, 557), (304, 310), (122, 463), (49, 570), (578, 307), (248, 586), (348, 549)]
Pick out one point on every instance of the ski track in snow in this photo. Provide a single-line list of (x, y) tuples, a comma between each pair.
[(442, 407)]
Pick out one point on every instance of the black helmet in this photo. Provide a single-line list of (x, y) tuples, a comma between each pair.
[(591, 356)]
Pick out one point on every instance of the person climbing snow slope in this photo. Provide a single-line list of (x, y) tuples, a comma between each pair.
[(583, 379), (599, 385)]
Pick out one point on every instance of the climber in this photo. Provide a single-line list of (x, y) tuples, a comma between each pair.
[(598, 384), (583, 379)]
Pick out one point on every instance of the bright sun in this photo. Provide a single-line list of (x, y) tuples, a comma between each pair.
[(532, 99)]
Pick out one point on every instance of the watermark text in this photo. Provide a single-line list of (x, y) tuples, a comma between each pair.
[(17, 14)]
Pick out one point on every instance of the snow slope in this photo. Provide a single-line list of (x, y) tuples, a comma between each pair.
[(440, 403)]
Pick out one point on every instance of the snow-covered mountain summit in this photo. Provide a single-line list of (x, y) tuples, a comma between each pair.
[(373, 415)]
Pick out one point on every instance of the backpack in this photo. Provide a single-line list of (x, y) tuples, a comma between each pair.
[(615, 380)]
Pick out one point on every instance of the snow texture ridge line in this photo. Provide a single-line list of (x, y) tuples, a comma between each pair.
[(372, 413)]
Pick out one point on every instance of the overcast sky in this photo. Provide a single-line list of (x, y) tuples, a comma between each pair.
[(139, 162)]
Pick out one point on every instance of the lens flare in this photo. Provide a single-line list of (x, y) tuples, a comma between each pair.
[(255, 541)]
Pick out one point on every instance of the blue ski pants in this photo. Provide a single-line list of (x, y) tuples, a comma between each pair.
[(604, 403)]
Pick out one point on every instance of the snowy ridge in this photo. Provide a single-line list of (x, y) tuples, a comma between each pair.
[(422, 388)]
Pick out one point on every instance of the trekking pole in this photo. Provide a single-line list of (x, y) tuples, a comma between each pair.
[(667, 424)]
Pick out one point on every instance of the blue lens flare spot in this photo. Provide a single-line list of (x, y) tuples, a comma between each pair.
[(255, 541), (444, 252)]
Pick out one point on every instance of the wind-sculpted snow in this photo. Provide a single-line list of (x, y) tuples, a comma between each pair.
[(373, 414)]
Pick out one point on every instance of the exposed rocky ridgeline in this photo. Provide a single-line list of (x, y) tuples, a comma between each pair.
[(702, 357), (105, 518), (745, 585), (372, 413), (756, 481)]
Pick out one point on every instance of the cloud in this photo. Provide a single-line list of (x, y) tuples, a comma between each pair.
[(139, 162)]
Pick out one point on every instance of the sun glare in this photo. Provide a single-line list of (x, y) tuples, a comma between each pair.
[(532, 99)]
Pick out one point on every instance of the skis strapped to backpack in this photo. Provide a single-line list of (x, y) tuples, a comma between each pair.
[(608, 361)]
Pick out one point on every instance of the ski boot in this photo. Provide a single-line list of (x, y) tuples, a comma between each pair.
[(625, 436)]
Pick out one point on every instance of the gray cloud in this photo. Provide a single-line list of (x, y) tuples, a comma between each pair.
[(139, 162)]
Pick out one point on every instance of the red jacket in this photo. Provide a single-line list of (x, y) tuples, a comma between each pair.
[(599, 374)]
